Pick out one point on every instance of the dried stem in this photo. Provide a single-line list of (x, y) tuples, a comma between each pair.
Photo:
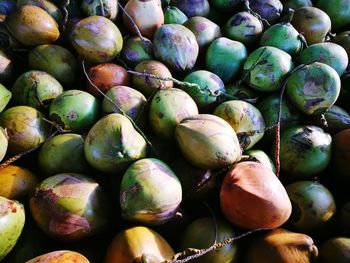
[(191, 253), (138, 32), (278, 124), (65, 13), (20, 155)]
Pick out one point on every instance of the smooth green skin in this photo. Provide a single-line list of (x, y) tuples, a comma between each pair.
[(336, 249), (69, 207), (150, 192), (35, 89), (225, 58), (305, 151), (262, 158), (3, 143), (173, 15), (62, 153), (112, 144), (55, 60), (48, 6), (224, 5), (105, 8), (343, 39), (243, 118), (96, 39), (135, 51), (244, 27), (130, 100), (266, 68), (176, 46), (328, 53), (25, 127), (313, 206), (269, 107), (12, 220), (201, 234), (283, 36), (209, 87), (75, 110), (204, 29), (168, 107), (5, 97), (337, 10), (314, 88), (207, 141)]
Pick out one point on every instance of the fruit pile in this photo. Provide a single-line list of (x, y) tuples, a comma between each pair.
[(174, 131)]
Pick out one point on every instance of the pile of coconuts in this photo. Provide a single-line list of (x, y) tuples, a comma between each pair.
[(149, 131)]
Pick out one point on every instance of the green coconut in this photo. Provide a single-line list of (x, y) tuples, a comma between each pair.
[(207, 141), (25, 127), (283, 36), (105, 8), (207, 88), (150, 192), (266, 68), (245, 119), (333, 55), (313, 206), (58, 61), (74, 110), (70, 207), (168, 107), (112, 144), (313, 88), (96, 39), (12, 220), (63, 153), (173, 15), (36, 89), (176, 46), (305, 151), (225, 58), (5, 97)]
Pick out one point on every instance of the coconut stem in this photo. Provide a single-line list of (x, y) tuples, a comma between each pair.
[(121, 110), (278, 124), (65, 12), (20, 155), (192, 253), (138, 32)]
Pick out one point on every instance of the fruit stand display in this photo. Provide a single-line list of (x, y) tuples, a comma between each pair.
[(174, 131)]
